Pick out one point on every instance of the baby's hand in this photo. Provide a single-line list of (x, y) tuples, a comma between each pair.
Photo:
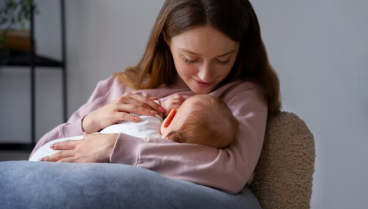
[(173, 102)]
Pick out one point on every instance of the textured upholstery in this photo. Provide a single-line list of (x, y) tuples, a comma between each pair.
[(284, 174)]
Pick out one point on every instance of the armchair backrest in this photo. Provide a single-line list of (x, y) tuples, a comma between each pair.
[(284, 174)]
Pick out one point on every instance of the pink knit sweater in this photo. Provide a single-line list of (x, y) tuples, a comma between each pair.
[(225, 169)]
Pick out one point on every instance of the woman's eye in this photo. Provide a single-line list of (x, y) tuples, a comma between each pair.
[(223, 62), (189, 61)]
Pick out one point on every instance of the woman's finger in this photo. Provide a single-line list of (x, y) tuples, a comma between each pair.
[(127, 100), (67, 160), (66, 145), (58, 156), (123, 116), (131, 108), (147, 101)]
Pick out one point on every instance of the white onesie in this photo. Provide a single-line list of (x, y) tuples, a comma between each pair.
[(149, 126)]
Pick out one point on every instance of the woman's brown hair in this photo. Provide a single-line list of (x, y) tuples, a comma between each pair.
[(234, 18)]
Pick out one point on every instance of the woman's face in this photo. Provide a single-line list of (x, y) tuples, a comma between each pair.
[(203, 57)]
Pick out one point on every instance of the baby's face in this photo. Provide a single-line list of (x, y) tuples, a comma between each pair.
[(176, 120)]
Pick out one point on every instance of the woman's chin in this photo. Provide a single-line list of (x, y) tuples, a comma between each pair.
[(201, 90)]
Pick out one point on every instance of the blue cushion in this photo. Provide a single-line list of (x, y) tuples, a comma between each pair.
[(40, 185)]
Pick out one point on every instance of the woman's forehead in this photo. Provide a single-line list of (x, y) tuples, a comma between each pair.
[(204, 41)]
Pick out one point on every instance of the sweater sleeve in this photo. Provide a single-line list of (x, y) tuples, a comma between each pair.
[(73, 126), (225, 169)]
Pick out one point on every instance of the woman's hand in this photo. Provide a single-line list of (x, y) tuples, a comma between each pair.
[(119, 110), (94, 148), (172, 103)]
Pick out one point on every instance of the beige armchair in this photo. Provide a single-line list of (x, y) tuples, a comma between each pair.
[(284, 174)]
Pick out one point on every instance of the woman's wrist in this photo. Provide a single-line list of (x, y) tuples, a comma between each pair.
[(110, 148), (87, 125)]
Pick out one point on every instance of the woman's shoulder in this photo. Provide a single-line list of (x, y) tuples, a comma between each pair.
[(109, 89), (242, 92), (110, 83), (236, 87), (247, 85)]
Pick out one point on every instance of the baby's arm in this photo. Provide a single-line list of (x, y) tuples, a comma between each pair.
[(172, 102)]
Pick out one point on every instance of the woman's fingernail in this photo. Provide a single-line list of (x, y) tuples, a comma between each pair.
[(40, 159), (52, 146), (153, 112), (136, 118)]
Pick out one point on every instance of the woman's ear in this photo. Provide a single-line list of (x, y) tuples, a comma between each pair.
[(165, 38), (169, 118)]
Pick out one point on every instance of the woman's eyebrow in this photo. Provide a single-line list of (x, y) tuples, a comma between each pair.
[(190, 52)]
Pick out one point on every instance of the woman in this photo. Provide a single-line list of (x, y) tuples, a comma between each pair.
[(204, 47)]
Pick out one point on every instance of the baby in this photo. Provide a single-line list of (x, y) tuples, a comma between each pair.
[(200, 119)]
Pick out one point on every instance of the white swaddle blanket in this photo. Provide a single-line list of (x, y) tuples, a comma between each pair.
[(149, 126)]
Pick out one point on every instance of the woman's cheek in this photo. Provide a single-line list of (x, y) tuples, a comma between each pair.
[(220, 72), (185, 70), (180, 66)]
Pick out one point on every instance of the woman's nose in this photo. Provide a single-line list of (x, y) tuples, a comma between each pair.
[(205, 73)]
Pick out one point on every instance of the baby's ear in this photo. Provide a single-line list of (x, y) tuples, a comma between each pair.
[(169, 118)]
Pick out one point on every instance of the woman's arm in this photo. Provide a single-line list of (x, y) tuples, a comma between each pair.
[(74, 125), (227, 169), (110, 103)]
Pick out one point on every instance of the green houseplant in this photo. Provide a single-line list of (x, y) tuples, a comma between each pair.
[(13, 14)]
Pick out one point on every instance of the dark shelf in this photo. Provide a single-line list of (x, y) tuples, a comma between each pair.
[(19, 58), (31, 61), (15, 146)]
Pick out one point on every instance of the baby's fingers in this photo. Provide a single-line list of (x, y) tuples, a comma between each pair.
[(177, 101), (179, 97)]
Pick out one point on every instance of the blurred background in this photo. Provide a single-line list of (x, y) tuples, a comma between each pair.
[(319, 49)]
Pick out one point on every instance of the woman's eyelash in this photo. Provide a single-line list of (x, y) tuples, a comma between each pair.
[(188, 61), (223, 62), (193, 61)]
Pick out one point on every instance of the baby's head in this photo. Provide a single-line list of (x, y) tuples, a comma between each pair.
[(201, 119)]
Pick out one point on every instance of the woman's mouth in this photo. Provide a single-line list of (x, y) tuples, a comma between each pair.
[(203, 84)]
